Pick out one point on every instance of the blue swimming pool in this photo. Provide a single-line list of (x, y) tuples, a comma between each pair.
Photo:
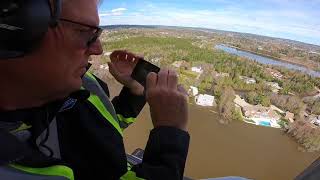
[(264, 123)]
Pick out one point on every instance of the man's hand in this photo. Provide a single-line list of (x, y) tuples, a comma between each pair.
[(167, 100), (121, 66)]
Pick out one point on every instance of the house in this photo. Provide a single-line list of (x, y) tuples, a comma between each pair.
[(181, 64), (164, 33), (205, 100), (314, 119), (193, 91), (259, 115), (248, 80), (197, 70), (263, 116), (217, 75), (274, 86), (314, 52), (289, 116), (274, 73), (155, 60)]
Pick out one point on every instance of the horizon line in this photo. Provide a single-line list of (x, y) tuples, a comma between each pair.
[(299, 41)]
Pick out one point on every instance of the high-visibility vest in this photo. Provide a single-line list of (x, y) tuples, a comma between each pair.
[(99, 99)]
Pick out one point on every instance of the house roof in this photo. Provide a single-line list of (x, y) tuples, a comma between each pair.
[(180, 63), (260, 111)]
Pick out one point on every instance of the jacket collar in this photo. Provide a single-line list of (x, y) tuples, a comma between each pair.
[(24, 115)]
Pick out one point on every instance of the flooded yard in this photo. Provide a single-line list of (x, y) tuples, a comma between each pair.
[(237, 149)]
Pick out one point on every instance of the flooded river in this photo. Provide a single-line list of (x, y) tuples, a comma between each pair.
[(238, 149), (267, 60)]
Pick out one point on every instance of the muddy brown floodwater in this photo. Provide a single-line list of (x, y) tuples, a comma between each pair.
[(237, 149)]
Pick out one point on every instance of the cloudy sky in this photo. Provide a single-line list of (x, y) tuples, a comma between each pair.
[(291, 19)]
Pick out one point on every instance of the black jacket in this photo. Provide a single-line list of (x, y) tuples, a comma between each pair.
[(91, 146)]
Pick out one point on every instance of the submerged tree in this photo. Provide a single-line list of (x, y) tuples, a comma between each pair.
[(227, 107)]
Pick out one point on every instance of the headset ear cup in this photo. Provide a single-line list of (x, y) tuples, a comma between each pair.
[(22, 31), (55, 13)]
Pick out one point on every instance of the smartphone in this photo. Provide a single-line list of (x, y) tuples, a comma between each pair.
[(142, 69)]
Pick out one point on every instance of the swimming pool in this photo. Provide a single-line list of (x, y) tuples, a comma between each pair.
[(264, 123)]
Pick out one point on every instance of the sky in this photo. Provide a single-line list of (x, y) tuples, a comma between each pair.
[(291, 19)]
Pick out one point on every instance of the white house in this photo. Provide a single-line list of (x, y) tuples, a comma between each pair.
[(155, 60), (248, 80), (222, 75), (314, 120), (275, 86), (205, 100), (193, 90), (274, 73), (197, 70)]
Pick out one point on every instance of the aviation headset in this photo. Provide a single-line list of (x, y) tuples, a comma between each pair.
[(23, 24)]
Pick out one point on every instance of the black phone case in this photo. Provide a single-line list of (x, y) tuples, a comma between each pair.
[(142, 69)]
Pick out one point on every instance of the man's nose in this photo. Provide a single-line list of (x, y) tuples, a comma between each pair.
[(95, 48)]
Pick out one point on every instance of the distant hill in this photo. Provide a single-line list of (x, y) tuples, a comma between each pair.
[(303, 45)]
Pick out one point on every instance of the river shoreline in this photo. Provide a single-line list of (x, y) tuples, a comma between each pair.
[(272, 57), (268, 60)]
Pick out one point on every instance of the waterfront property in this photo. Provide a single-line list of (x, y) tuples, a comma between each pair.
[(263, 116), (193, 91), (205, 100)]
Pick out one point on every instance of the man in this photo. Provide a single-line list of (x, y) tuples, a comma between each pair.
[(56, 121)]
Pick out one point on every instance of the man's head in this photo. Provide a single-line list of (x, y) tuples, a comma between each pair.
[(70, 41), (56, 66)]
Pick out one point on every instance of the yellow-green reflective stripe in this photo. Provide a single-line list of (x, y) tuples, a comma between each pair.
[(130, 175), (129, 167), (126, 120), (91, 76), (58, 170), (21, 128), (102, 109)]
